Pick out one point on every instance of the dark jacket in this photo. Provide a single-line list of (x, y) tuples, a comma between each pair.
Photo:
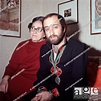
[(73, 65)]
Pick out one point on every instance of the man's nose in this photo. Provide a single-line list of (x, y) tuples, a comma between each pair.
[(51, 31)]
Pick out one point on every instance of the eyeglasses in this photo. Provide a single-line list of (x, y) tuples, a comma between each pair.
[(38, 29)]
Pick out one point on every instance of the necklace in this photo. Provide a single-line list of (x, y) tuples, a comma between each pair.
[(54, 68)]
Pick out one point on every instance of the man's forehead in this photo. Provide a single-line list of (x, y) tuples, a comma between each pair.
[(51, 21)]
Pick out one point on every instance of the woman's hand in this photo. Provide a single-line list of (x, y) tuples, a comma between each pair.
[(4, 84)]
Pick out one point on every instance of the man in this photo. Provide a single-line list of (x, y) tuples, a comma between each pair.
[(62, 66)]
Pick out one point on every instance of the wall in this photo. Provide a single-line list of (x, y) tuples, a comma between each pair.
[(32, 8), (84, 20)]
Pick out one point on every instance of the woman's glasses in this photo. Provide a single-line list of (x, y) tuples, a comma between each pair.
[(38, 29)]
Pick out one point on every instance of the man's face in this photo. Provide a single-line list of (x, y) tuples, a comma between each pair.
[(53, 30)]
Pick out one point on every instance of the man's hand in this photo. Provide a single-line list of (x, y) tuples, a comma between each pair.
[(43, 96)]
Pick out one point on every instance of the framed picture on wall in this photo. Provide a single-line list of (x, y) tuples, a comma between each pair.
[(95, 18), (10, 18), (69, 10)]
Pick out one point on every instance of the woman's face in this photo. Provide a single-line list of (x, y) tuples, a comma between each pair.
[(36, 32)]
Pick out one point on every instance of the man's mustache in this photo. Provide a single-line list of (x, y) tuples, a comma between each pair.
[(53, 36)]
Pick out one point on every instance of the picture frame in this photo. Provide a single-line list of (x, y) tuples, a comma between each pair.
[(69, 10), (10, 18), (95, 17)]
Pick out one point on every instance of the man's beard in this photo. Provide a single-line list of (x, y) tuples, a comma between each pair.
[(59, 39)]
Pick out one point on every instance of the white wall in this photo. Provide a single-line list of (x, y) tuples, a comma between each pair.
[(32, 8), (84, 20)]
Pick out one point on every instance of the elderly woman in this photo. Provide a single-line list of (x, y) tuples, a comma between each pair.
[(20, 73)]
